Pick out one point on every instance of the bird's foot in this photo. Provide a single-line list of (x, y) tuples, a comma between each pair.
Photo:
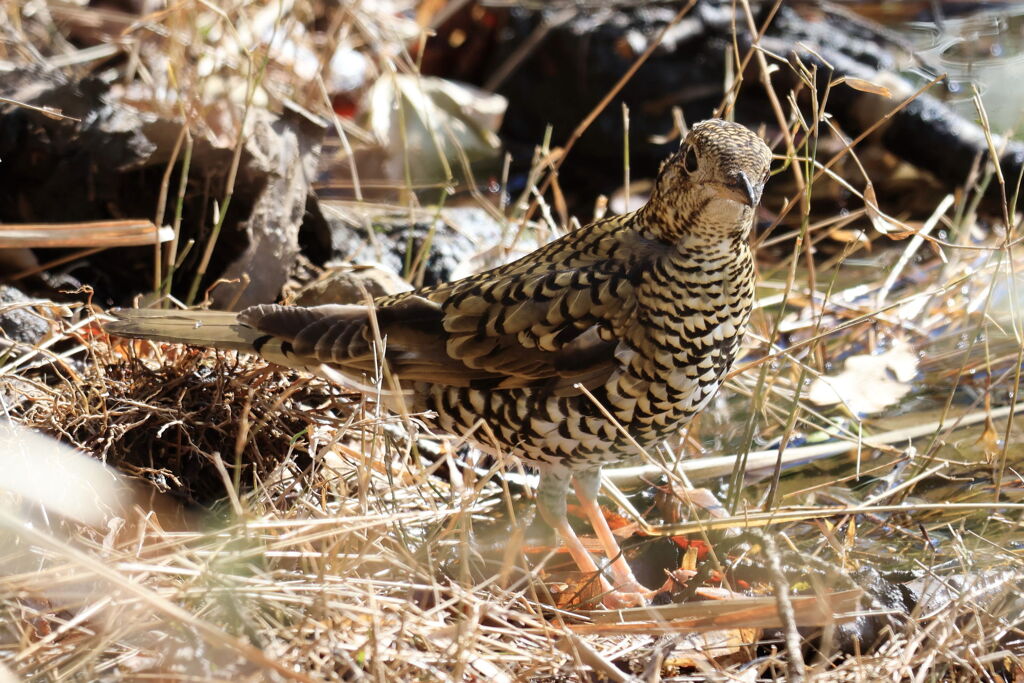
[(632, 586), (622, 599), (627, 591), (600, 590), (631, 593)]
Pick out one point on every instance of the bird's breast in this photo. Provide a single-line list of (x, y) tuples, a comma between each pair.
[(691, 320)]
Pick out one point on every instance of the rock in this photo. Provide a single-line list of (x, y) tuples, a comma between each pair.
[(110, 163), (581, 55), (283, 153), (346, 284), (20, 323), (425, 246)]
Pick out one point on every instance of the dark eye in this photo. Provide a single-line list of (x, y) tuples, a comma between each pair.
[(690, 160)]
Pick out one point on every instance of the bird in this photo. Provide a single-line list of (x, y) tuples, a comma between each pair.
[(611, 337)]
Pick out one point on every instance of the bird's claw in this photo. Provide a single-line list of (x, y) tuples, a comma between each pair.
[(621, 599), (634, 594)]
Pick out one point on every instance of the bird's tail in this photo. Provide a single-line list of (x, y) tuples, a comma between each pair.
[(224, 330), (218, 329)]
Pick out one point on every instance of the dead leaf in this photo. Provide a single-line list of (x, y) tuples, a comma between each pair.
[(57, 477), (862, 85), (877, 217), (990, 441), (698, 650), (869, 383), (438, 122)]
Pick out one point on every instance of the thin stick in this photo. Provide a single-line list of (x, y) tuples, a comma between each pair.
[(625, 158), (161, 206)]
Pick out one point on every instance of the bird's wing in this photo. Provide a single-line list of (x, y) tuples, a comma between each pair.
[(523, 327)]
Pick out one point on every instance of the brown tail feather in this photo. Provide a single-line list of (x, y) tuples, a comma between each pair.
[(226, 330), (219, 329)]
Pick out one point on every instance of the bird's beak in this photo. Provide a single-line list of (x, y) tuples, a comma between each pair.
[(739, 188)]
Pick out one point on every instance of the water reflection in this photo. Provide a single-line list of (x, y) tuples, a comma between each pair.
[(984, 49)]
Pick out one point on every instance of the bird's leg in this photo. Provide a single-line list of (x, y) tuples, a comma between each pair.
[(587, 484), (551, 495)]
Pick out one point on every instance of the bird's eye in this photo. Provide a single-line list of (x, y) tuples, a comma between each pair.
[(690, 160)]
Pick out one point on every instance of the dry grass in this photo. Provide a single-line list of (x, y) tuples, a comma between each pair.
[(276, 527)]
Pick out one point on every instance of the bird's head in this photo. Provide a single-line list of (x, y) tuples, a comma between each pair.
[(708, 190)]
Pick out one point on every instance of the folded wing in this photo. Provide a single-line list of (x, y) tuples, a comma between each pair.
[(553, 328)]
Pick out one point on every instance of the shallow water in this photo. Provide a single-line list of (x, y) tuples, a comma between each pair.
[(983, 50)]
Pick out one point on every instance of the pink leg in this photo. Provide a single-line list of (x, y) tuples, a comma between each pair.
[(579, 553), (551, 503), (587, 485)]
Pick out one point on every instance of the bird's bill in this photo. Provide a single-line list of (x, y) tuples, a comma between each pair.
[(740, 189)]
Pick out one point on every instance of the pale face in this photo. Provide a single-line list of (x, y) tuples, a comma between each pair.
[(709, 189)]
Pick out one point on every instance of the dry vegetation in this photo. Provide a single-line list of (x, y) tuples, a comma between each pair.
[(266, 525)]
